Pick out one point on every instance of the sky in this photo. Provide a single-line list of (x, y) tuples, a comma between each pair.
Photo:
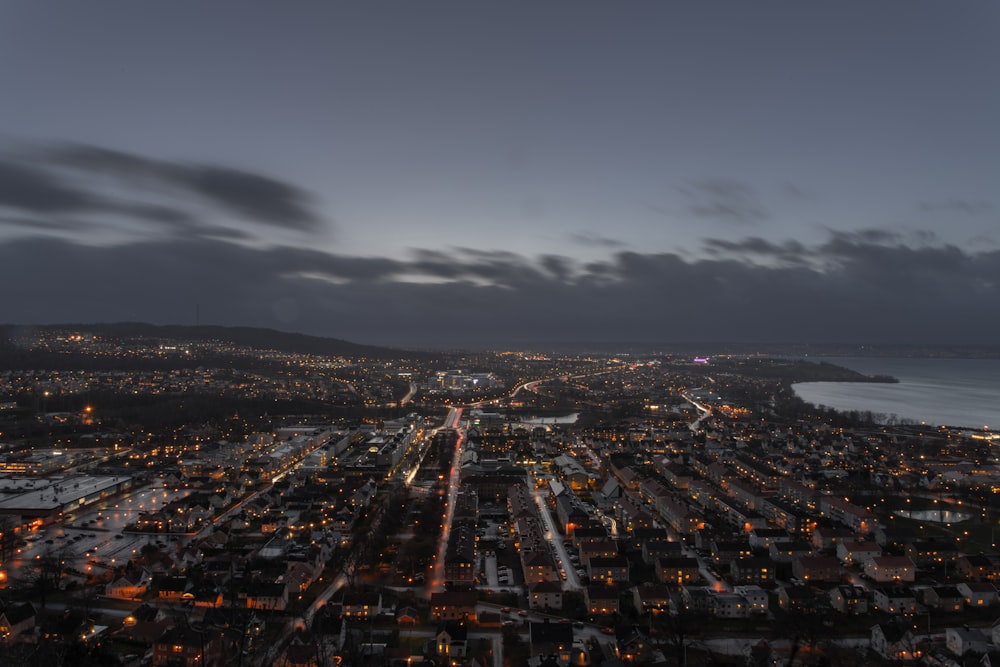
[(467, 174)]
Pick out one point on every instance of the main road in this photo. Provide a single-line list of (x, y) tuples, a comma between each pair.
[(435, 582)]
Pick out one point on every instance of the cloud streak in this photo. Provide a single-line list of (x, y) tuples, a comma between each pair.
[(964, 206), (725, 201), (101, 235), (100, 187), (865, 291)]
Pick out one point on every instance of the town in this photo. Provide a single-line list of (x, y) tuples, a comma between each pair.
[(204, 501)]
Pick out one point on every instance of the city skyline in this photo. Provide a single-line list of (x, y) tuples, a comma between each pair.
[(440, 175)]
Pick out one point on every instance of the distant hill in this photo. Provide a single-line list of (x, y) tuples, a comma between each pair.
[(269, 339)]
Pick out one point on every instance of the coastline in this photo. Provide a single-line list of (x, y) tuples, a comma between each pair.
[(848, 397), (958, 393), (861, 379)]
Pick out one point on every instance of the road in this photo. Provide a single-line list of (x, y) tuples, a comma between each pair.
[(705, 411), (572, 581), (435, 582), (409, 395)]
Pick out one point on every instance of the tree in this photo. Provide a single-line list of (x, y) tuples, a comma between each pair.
[(49, 571), (674, 628)]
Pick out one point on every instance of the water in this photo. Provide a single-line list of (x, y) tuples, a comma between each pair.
[(936, 516), (955, 392), (541, 421)]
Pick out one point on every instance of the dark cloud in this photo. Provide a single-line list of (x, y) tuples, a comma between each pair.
[(859, 287), (726, 201), (560, 268), (866, 236), (47, 224), (259, 198), (41, 198), (789, 252), (113, 190), (32, 190), (252, 196)]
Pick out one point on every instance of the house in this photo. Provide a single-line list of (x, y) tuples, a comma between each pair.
[(266, 595), (361, 605), (547, 638), (895, 600), (817, 568), (797, 598), (610, 492), (651, 598), (853, 552), (588, 535), (602, 599), (301, 653), (634, 645), (966, 640), (828, 537), (893, 641), (130, 585), (545, 595), (680, 570), (888, 569), (452, 640), (16, 619), (460, 555), (206, 595), (538, 566), (978, 594), (932, 552), (299, 576), (756, 598), (944, 598), (610, 570), (892, 536), (978, 567), (752, 570), (188, 647), (652, 549), (788, 552), (730, 605), (454, 606), (697, 600), (407, 616), (145, 625), (171, 589), (725, 552), (848, 599), (763, 538), (603, 548)]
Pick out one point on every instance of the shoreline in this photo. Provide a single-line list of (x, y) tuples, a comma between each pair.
[(893, 418), (863, 379)]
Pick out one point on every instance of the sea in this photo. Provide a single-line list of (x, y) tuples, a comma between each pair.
[(953, 392)]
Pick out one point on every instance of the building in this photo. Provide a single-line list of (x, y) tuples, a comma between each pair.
[(888, 569), (189, 648), (853, 600), (545, 595), (602, 599), (454, 606), (895, 642), (452, 640)]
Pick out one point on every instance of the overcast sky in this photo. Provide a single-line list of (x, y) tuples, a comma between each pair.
[(454, 173)]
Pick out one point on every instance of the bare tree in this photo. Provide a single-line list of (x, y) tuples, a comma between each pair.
[(674, 628)]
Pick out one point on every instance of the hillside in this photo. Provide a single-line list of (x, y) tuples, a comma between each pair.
[(250, 337)]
